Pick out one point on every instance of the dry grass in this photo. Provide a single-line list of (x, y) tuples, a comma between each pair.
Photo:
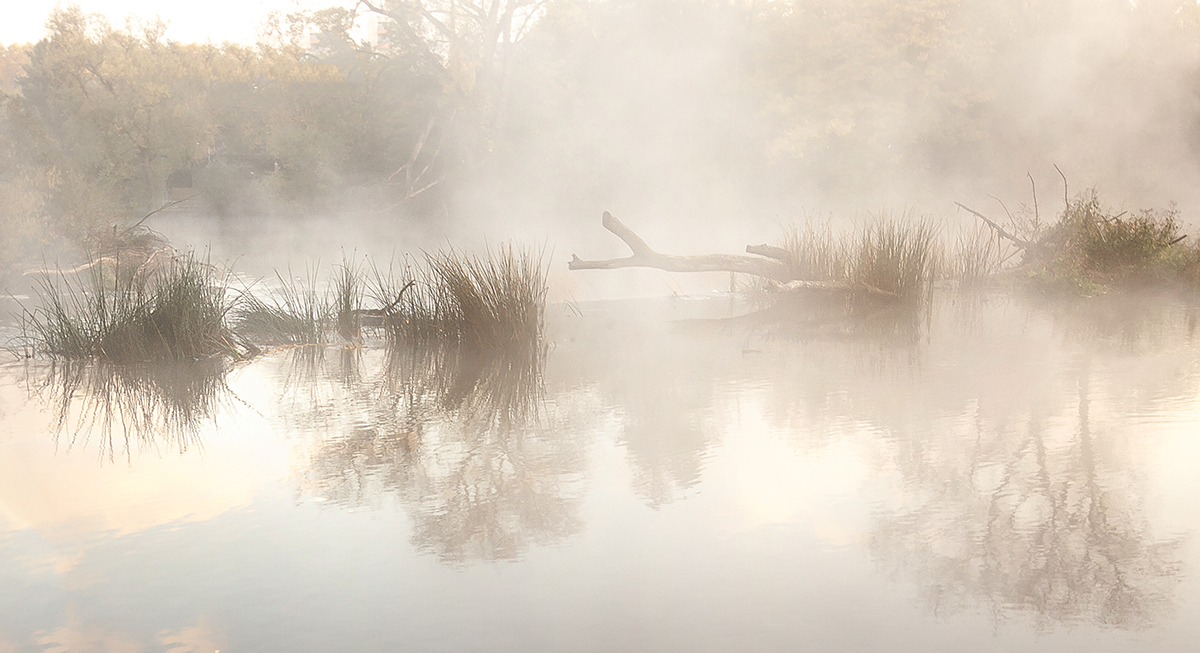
[(978, 256), (469, 329), (346, 295), (491, 303)]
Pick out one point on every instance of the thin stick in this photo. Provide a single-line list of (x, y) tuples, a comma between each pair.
[(1066, 201), (1037, 219), (1010, 218)]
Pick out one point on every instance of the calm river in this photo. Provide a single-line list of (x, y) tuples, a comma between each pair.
[(1013, 478)]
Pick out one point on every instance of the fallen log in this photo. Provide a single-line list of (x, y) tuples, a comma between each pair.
[(768, 262), (645, 257)]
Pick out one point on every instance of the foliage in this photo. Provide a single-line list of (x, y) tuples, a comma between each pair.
[(106, 120), (1092, 247)]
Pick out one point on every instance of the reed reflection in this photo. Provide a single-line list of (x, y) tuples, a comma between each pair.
[(464, 440), (124, 408)]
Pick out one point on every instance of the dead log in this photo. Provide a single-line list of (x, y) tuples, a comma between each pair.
[(769, 263), (645, 257)]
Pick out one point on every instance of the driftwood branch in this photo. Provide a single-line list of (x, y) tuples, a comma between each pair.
[(1020, 242), (769, 263), (645, 257)]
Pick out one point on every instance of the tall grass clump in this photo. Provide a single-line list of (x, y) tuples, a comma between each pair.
[(884, 258), (176, 313), (346, 295), (493, 303), (469, 329), (900, 257)]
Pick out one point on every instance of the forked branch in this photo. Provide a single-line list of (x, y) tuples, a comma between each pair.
[(645, 257)]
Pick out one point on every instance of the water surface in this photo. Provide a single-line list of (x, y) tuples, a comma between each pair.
[(1013, 477)]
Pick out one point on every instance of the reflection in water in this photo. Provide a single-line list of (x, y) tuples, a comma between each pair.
[(128, 407), (661, 380), (1021, 492), (996, 467), (464, 442), (1031, 516)]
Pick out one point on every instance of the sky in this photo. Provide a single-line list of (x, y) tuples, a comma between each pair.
[(190, 21)]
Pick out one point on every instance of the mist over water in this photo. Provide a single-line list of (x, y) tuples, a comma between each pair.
[(411, 426)]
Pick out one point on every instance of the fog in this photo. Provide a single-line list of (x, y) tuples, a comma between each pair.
[(706, 126)]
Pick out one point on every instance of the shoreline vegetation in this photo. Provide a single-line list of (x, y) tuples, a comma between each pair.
[(888, 266), (177, 307), (140, 301)]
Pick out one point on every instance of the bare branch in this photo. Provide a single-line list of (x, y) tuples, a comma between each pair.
[(1037, 219), (1010, 218), (1021, 242), (147, 216)]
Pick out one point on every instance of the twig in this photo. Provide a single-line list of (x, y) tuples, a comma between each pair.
[(1176, 240), (1010, 218), (147, 216)]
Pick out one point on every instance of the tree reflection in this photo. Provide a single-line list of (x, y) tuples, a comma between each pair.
[(1033, 514), (659, 381), (463, 441), (130, 407), (1013, 450)]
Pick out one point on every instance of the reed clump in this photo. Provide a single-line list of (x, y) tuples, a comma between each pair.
[(469, 327), (123, 314), (887, 257), (491, 303)]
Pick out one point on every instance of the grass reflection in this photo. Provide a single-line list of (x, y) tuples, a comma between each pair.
[(126, 408)]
